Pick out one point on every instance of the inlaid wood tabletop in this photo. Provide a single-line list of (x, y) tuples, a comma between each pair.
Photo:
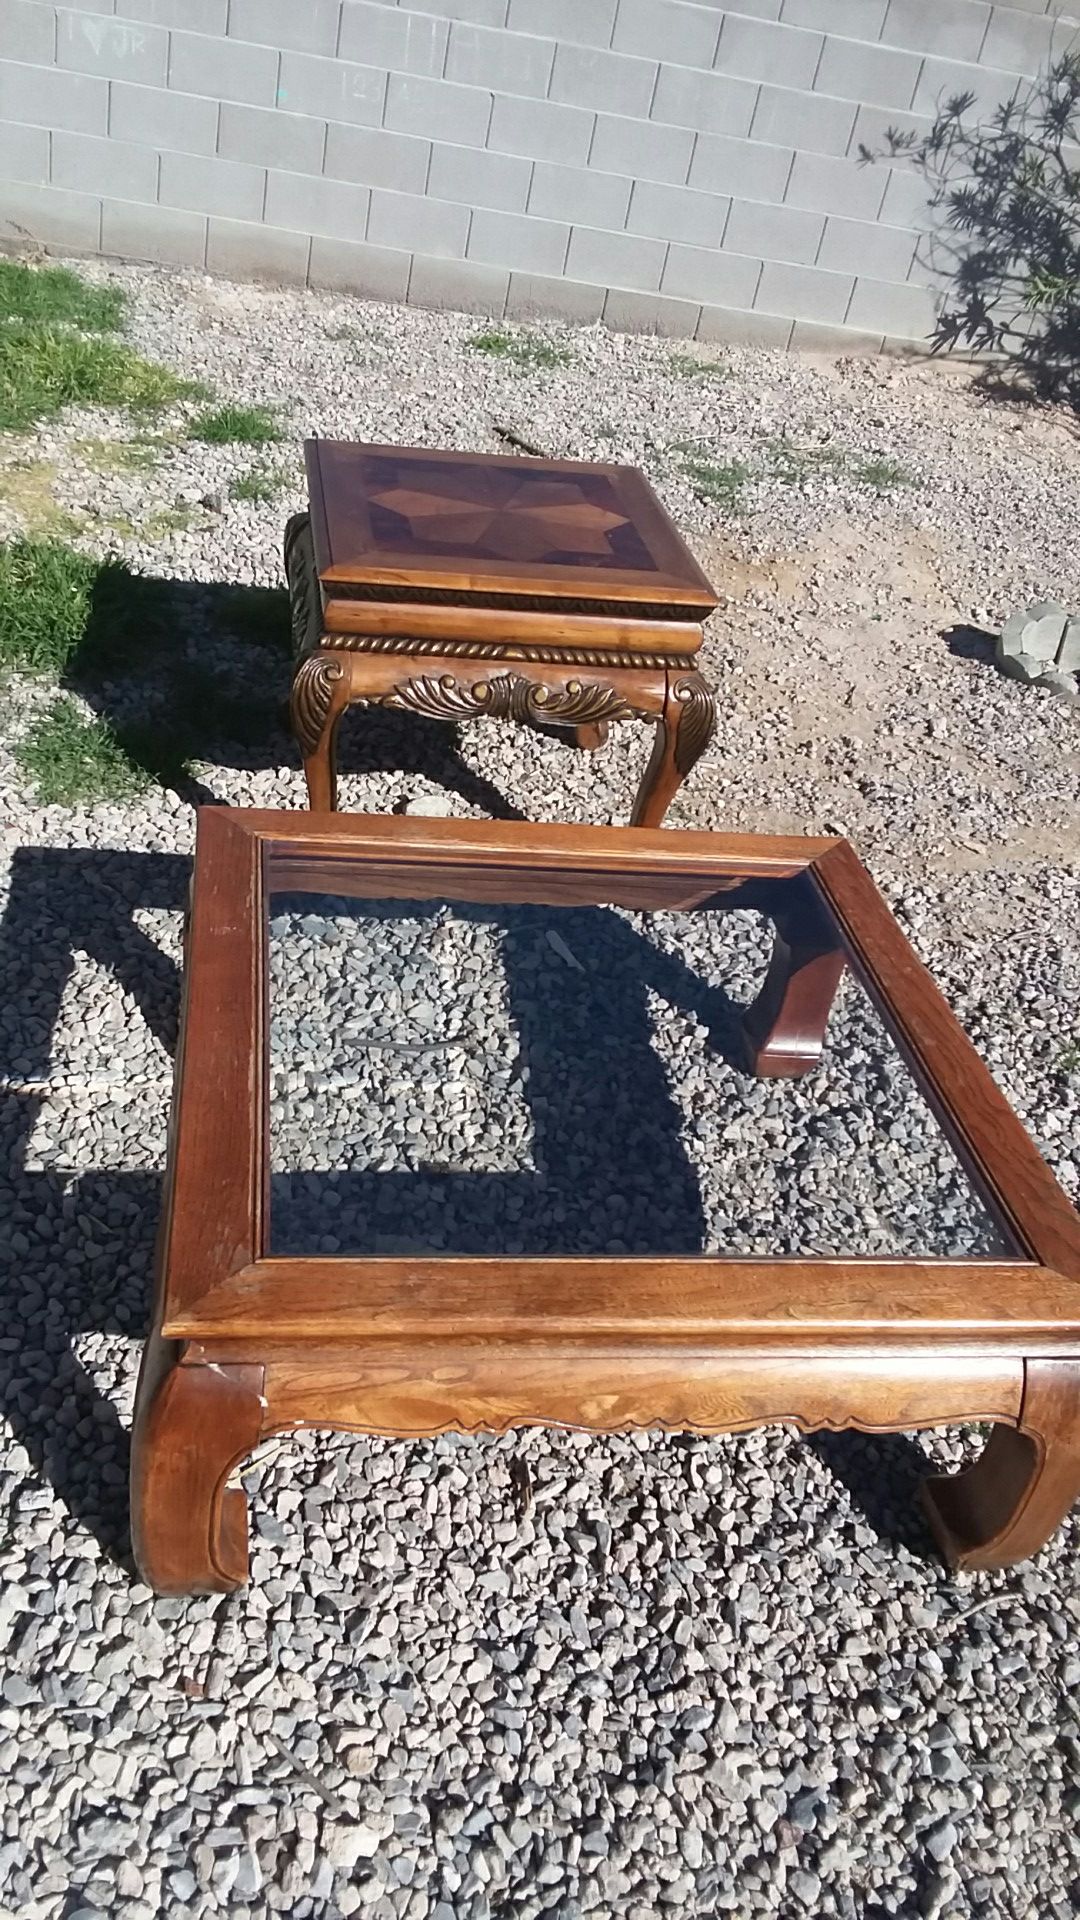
[(481, 523)]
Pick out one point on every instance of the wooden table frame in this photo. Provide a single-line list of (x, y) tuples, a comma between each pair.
[(245, 1345)]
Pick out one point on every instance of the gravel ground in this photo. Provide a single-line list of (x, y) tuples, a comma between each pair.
[(533, 1102), (548, 1674)]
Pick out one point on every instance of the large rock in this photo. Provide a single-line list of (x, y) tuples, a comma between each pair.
[(1041, 646), (1046, 629), (1011, 639), (1068, 658), (1017, 665), (1038, 630)]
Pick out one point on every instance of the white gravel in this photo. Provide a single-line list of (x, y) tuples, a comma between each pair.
[(548, 1674)]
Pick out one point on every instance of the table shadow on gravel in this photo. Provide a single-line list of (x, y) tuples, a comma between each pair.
[(76, 1242), (192, 673), (883, 1473), (476, 1081), (515, 1080)]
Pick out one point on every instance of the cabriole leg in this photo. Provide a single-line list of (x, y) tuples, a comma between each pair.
[(320, 694), (682, 734)]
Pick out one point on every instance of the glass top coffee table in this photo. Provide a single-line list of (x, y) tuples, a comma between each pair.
[(482, 1125)]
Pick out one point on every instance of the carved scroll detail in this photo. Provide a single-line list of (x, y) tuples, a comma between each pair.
[(508, 696), (312, 693), (305, 603), (503, 650), (697, 719)]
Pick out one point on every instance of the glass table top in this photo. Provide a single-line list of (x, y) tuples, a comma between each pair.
[(452, 1079)]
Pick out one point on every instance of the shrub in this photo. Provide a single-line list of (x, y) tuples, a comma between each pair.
[(1007, 195)]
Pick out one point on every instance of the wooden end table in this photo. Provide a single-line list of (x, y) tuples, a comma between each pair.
[(459, 585), (280, 1306)]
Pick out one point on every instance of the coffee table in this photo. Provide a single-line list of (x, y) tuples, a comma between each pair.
[(480, 1126), (465, 585)]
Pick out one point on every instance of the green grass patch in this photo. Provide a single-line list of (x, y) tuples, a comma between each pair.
[(99, 629), (882, 474), (259, 485), (1069, 1060), (793, 465), (54, 296), (222, 426), (61, 610), (687, 366), (45, 597), (43, 370), (720, 482), (71, 760), (526, 350)]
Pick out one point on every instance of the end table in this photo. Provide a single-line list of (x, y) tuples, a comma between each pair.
[(458, 585)]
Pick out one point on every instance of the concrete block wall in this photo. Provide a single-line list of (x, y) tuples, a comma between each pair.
[(676, 165)]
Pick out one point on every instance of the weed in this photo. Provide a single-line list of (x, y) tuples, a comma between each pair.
[(166, 520), (687, 366), (358, 336), (719, 482), (43, 370), (27, 488), (71, 759), (792, 465), (882, 474), (259, 484), (54, 296), (252, 426), (526, 350), (1068, 1061), (118, 456)]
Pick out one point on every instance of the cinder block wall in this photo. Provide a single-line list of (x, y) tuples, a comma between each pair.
[(685, 167)]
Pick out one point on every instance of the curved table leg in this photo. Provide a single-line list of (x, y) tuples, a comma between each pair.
[(683, 732), (1019, 1491), (784, 1028), (320, 693), (192, 1423)]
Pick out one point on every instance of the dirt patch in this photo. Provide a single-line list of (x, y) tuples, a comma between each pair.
[(838, 686)]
